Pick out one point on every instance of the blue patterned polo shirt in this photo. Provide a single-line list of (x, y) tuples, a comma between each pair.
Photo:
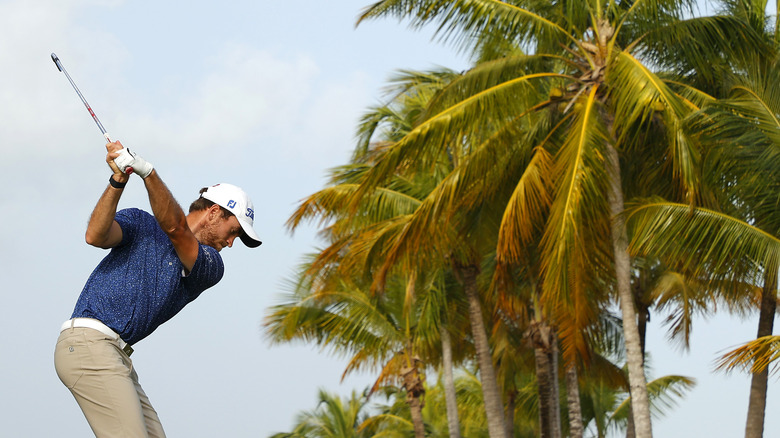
[(140, 284)]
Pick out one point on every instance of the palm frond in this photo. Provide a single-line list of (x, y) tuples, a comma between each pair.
[(756, 356), (704, 242), (332, 203), (638, 95), (576, 224), (581, 177), (492, 73), (663, 391), (696, 46), (472, 115), (685, 300), (459, 20), (526, 208)]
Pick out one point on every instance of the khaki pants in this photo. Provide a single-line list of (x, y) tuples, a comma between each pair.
[(102, 379)]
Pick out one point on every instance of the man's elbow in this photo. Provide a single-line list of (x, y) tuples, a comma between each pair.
[(94, 239), (177, 230), (98, 240)]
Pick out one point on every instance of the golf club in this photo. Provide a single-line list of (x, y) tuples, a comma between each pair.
[(58, 63)]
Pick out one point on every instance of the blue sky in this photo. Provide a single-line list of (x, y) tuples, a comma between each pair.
[(265, 95)]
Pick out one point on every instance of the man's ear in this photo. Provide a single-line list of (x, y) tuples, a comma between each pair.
[(213, 212)]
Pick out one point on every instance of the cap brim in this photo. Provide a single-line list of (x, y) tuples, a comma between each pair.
[(249, 237)]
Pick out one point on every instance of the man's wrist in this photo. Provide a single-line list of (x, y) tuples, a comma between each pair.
[(117, 181)]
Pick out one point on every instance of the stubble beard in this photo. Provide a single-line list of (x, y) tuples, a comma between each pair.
[(207, 235)]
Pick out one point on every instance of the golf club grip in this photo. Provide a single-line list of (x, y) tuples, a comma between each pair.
[(128, 170)]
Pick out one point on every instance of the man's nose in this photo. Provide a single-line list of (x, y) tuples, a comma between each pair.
[(230, 241)]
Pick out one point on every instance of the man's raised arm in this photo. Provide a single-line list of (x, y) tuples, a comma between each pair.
[(172, 220), (167, 211), (103, 231)]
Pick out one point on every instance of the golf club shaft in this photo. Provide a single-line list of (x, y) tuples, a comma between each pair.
[(58, 63)]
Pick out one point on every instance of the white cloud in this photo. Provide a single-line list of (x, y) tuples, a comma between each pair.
[(38, 107), (248, 94)]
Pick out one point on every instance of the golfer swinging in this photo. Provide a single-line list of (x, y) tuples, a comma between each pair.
[(157, 265)]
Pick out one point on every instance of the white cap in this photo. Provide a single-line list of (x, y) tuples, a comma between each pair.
[(236, 201)]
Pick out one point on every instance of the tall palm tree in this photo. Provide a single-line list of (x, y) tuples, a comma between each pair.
[(736, 246), (409, 92), (717, 80), (357, 237), (463, 260), (581, 95)]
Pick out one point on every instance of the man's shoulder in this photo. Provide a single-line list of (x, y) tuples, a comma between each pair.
[(209, 266), (210, 255), (136, 222), (135, 215), (133, 212)]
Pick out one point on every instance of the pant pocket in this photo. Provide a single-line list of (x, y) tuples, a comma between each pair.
[(68, 359)]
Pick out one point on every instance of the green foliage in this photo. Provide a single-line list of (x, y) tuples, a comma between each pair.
[(519, 169)]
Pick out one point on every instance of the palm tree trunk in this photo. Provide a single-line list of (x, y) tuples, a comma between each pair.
[(556, 388), (630, 431), (545, 355), (758, 384), (576, 428), (640, 402), (509, 415), (415, 390), (543, 384), (453, 422), (415, 405), (643, 316), (494, 409)]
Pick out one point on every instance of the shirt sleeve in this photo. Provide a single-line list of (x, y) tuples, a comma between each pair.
[(128, 221), (207, 270)]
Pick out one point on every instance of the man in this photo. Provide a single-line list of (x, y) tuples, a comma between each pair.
[(157, 265)]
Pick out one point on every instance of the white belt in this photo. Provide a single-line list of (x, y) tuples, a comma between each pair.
[(99, 326)]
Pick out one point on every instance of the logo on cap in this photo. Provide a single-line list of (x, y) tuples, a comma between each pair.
[(231, 204), (250, 213)]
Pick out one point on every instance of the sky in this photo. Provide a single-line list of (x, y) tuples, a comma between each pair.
[(265, 95)]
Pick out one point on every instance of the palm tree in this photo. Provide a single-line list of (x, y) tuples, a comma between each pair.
[(470, 395), (357, 238), (409, 92), (463, 260), (607, 407), (583, 96), (333, 417), (734, 247), (753, 60), (452, 320), (376, 331), (755, 94)]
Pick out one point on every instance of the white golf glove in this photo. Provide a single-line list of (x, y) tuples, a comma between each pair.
[(128, 159)]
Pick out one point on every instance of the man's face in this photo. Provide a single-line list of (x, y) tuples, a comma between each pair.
[(219, 232)]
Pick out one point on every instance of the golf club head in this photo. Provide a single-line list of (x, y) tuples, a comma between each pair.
[(56, 61)]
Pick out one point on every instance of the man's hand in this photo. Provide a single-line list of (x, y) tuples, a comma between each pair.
[(113, 152), (126, 160)]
